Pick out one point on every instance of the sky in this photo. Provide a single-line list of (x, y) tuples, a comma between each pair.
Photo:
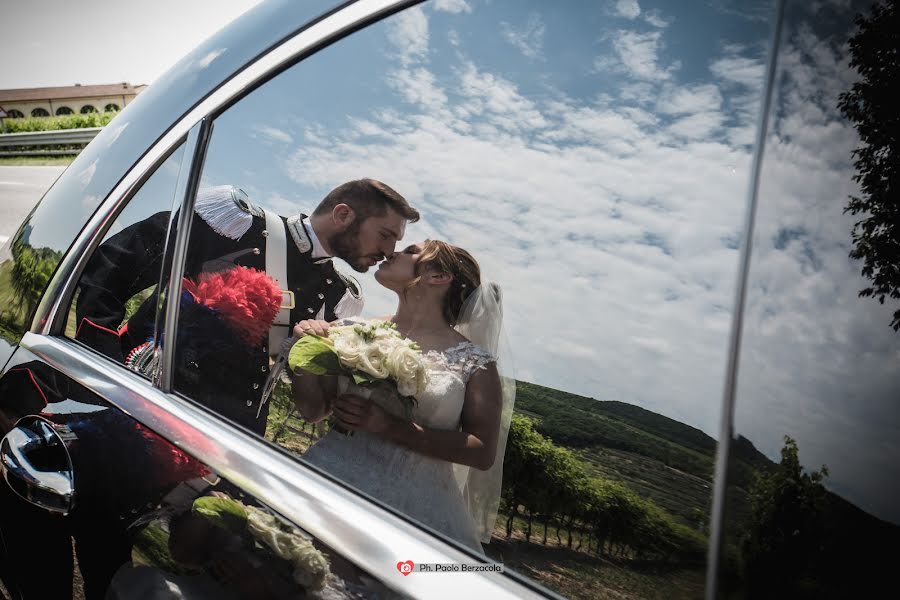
[(596, 162), (55, 43)]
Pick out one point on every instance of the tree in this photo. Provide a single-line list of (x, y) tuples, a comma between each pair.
[(30, 274), (785, 533), (872, 106)]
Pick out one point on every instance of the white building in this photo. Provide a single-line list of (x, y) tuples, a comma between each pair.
[(68, 100)]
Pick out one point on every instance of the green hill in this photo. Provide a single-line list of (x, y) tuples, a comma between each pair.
[(651, 422), (581, 422)]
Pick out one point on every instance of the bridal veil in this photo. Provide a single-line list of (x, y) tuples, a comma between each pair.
[(481, 321)]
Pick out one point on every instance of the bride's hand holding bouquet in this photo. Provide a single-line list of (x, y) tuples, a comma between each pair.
[(380, 372)]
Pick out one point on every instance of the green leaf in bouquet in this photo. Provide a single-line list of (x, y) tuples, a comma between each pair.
[(151, 546), (229, 514), (363, 378), (315, 355)]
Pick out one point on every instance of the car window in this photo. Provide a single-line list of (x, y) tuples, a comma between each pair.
[(594, 161), (113, 309), (816, 417)]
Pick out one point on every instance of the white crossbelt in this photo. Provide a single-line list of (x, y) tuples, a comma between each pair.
[(276, 268)]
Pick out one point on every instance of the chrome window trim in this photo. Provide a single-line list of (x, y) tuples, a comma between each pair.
[(726, 423), (364, 533), (185, 192), (48, 316)]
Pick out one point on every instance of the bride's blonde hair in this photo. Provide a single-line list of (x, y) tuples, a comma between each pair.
[(441, 257)]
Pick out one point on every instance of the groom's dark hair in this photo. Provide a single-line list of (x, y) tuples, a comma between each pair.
[(367, 198)]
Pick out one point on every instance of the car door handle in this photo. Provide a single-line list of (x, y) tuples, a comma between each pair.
[(37, 466)]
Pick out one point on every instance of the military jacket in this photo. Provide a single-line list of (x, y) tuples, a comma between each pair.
[(212, 366)]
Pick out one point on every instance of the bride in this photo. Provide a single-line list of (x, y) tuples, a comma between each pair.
[(443, 468)]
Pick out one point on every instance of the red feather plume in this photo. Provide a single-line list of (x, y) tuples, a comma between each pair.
[(248, 300)]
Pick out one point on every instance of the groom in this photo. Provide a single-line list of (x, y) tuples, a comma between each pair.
[(359, 221)]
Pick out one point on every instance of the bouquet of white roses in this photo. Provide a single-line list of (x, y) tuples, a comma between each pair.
[(371, 355)]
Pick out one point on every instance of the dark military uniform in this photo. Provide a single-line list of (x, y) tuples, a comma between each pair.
[(212, 365)]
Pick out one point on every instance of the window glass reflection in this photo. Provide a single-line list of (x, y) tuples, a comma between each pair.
[(250, 274), (593, 160), (114, 308), (208, 539), (25, 271), (816, 412)]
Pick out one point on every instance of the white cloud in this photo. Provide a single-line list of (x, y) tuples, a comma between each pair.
[(739, 69), (530, 39), (608, 63), (656, 345), (760, 11), (655, 18), (418, 86), (275, 134), (697, 126), (639, 92), (451, 6), (639, 53), (275, 202), (499, 100), (740, 73), (593, 125), (409, 34), (678, 100), (629, 9)]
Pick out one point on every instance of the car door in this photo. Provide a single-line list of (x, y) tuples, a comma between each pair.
[(41, 401), (99, 458), (117, 484)]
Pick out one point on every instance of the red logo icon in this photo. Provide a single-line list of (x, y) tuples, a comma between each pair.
[(405, 567)]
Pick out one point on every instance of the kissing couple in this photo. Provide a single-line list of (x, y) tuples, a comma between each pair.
[(444, 467), (450, 455)]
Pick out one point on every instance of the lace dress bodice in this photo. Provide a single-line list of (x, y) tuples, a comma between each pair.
[(449, 371), (418, 486)]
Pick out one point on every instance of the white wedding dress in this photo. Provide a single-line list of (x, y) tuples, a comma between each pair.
[(423, 488)]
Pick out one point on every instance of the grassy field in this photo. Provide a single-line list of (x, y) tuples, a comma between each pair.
[(582, 576), (293, 434), (683, 495)]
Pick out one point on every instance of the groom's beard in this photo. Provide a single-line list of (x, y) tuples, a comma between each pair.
[(346, 247)]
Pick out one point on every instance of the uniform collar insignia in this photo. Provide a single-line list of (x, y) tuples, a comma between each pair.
[(298, 233)]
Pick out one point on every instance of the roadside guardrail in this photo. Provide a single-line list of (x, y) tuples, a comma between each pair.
[(47, 143)]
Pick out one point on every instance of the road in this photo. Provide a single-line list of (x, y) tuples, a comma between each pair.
[(20, 190)]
